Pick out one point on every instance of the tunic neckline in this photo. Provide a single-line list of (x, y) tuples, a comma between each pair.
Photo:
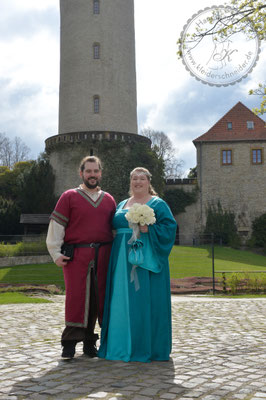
[(126, 209)]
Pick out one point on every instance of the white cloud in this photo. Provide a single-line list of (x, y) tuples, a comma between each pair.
[(169, 98)]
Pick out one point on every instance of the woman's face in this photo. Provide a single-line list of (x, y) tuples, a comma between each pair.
[(139, 183)]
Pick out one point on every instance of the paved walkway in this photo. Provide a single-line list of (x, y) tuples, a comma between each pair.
[(219, 353)]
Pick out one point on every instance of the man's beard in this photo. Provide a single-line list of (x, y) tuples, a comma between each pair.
[(89, 185)]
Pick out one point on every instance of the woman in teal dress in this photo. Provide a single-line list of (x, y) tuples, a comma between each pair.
[(137, 315)]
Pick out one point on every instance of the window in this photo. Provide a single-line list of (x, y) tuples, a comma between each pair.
[(91, 152), (256, 156), (96, 51), (96, 104), (96, 6), (226, 157), (229, 126), (250, 124)]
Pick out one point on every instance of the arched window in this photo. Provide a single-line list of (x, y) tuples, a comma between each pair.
[(96, 104), (96, 51), (96, 6)]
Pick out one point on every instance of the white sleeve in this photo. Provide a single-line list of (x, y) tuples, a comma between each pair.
[(55, 239)]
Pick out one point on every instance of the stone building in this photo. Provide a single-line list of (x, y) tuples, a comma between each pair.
[(231, 169), (97, 93)]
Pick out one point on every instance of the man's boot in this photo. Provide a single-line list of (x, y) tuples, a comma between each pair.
[(89, 348), (69, 347)]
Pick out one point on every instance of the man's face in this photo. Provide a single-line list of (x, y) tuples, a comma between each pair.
[(91, 175)]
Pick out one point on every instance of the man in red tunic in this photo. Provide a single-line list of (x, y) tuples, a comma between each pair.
[(83, 218)]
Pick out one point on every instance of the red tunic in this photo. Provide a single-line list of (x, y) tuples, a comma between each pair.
[(85, 221)]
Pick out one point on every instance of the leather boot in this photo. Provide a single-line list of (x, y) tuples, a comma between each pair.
[(89, 348), (69, 348)]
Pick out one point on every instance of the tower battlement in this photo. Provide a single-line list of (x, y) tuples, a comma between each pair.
[(94, 137)]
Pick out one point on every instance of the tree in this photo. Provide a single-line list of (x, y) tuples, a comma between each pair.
[(238, 16), (8, 180), (120, 161), (12, 152), (192, 173), (36, 186), (165, 151)]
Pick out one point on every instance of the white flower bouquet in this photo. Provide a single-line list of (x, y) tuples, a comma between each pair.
[(138, 214), (141, 214)]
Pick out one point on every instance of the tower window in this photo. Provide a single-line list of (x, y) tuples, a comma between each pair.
[(96, 6), (226, 157), (229, 126), (96, 51), (250, 124), (96, 104), (256, 156)]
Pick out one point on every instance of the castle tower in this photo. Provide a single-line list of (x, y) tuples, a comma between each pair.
[(97, 94)]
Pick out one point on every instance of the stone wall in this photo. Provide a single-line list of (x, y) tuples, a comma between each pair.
[(189, 221), (24, 260)]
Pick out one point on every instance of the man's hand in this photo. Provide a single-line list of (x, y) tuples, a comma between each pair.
[(62, 261)]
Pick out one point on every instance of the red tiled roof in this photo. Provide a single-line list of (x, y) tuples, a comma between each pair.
[(238, 116)]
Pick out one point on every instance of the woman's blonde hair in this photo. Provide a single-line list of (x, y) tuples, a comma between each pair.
[(146, 172)]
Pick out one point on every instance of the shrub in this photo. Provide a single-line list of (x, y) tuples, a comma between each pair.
[(222, 223), (259, 231)]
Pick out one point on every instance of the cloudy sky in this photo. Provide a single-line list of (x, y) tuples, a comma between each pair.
[(169, 98)]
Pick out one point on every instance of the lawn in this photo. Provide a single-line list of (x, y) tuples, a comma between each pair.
[(184, 262), (188, 261), (18, 298), (35, 274)]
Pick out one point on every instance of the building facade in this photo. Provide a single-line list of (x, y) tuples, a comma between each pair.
[(231, 170)]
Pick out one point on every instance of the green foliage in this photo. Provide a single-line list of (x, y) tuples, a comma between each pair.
[(234, 283), (259, 231), (222, 224), (119, 161), (9, 217), (192, 173), (36, 186), (23, 249), (9, 177), (178, 199), (248, 282)]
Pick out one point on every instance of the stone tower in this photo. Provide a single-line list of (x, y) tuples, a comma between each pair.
[(97, 95)]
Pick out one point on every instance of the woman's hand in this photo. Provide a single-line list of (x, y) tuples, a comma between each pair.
[(144, 228)]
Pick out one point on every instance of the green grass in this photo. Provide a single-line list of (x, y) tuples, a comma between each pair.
[(184, 262), (188, 261), (35, 274), (18, 298)]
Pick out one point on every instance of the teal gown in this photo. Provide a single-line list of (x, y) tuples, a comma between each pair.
[(137, 318)]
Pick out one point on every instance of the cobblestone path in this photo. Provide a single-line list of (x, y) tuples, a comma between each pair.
[(219, 353)]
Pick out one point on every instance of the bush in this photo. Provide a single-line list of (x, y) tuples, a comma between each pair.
[(222, 223), (259, 231), (23, 249)]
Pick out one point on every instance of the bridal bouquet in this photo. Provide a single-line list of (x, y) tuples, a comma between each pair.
[(141, 214), (138, 214)]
